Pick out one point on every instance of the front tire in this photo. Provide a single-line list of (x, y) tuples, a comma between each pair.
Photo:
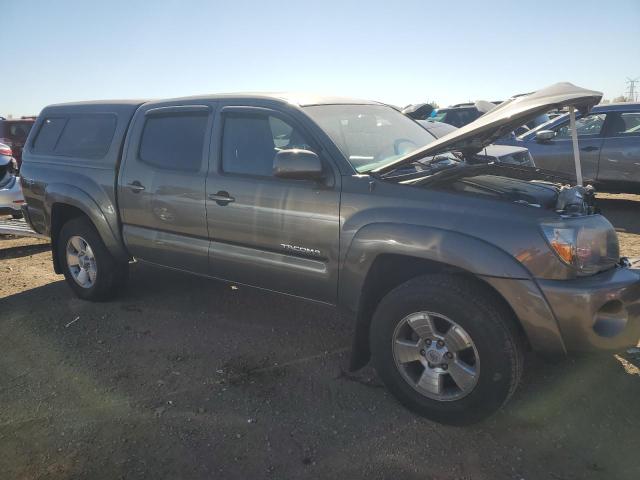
[(88, 266), (446, 348)]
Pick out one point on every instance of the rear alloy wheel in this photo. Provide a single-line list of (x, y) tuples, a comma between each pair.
[(447, 348), (81, 262), (90, 269)]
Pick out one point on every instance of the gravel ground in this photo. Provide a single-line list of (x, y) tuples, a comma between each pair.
[(188, 378)]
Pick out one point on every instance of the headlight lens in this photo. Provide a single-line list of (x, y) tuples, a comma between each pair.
[(589, 244)]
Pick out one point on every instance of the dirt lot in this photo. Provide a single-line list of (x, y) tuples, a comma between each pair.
[(188, 378)]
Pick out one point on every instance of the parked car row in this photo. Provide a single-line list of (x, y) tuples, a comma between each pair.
[(608, 136)]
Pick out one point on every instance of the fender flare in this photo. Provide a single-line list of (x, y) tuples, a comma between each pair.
[(428, 243), (59, 193)]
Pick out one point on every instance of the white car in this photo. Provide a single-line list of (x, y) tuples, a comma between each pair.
[(11, 198)]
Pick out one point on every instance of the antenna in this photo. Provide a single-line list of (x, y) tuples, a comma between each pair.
[(632, 94)]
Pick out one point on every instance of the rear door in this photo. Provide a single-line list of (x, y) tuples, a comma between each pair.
[(620, 157), (162, 185), (268, 232), (557, 154)]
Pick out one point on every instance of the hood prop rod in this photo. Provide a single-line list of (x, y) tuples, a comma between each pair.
[(574, 141)]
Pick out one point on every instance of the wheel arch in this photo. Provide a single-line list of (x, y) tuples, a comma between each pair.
[(65, 202), (383, 256)]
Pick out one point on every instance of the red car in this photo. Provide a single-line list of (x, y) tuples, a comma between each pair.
[(14, 132)]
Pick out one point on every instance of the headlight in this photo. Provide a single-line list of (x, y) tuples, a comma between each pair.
[(589, 244)]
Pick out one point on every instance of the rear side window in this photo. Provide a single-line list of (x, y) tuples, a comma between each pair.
[(174, 142), (87, 137), (48, 135), (623, 124), (84, 136)]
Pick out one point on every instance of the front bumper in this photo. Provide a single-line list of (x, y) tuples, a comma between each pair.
[(601, 312)]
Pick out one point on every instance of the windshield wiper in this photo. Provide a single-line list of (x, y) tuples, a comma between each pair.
[(420, 169)]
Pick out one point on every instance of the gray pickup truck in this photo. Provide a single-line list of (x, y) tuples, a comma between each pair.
[(450, 269)]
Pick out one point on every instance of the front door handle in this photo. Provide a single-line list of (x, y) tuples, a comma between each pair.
[(222, 198), (589, 149), (135, 186)]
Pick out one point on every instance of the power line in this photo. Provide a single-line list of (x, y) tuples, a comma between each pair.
[(632, 94)]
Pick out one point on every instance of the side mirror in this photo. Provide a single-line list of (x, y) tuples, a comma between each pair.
[(297, 164), (545, 135)]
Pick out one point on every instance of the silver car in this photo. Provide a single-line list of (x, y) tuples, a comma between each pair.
[(11, 198)]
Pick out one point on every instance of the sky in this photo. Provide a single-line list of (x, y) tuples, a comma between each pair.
[(395, 51)]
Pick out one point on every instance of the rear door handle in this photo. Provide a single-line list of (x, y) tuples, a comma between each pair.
[(589, 149), (222, 198), (135, 186)]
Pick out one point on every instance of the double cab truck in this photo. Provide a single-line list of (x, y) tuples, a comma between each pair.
[(449, 269)]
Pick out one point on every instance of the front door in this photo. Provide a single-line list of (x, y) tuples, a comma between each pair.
[(557, 154), (268, 232), (162, 186)]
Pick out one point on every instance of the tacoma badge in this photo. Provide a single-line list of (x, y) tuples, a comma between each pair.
[(296, 248)]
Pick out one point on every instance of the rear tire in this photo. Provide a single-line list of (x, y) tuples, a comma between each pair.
[(467, 360), (16, 216), (88, 266)]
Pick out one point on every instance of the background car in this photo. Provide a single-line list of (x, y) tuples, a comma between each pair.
[(609, 140), (508, 154), (461, 114), (11, 198), (13, 132), (418, 111)]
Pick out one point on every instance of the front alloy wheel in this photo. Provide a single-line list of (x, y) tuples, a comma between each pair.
[(446, 347), (436, 356)]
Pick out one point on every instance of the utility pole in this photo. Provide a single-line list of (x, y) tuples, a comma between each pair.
[(631, 90)]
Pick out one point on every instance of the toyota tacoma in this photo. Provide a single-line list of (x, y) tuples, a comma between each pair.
[(449, 269)]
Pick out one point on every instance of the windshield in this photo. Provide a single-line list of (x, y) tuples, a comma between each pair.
[(369, 136)]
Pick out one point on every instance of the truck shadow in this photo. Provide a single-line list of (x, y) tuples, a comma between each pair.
[(23, 250), (183, 374)]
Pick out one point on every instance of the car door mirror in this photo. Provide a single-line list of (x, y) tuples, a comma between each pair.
[(297, 164), (545, 135)]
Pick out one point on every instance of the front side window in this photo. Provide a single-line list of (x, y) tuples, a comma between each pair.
[(174, 142), (369, 136), (250, 142), (590, 126)]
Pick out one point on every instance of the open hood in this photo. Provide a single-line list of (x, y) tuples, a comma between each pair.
[(502, 120)]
